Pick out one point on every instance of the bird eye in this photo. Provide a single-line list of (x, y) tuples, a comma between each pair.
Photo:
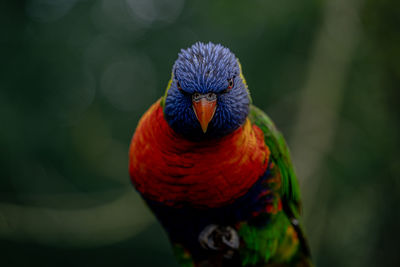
[(230, 85), (196, 97), (211, 96)]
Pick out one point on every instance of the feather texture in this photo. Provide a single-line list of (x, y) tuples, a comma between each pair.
[(228, 196), (167, 168), (263, 213)]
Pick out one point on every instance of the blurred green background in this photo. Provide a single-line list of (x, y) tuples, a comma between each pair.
[(76, 75)]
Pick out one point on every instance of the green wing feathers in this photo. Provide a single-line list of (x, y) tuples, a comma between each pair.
[(290, 192), (279, 152)]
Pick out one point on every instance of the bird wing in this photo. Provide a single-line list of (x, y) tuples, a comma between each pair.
[(280, 154)]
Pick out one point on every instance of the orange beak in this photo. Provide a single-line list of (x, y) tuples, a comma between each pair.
[(204, 110)]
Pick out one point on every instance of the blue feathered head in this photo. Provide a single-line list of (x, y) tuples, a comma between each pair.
[(207, 96)]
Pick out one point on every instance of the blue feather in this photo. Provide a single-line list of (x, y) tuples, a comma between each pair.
[(206, 68)]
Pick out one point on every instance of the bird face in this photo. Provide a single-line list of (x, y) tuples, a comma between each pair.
[(207, 96)]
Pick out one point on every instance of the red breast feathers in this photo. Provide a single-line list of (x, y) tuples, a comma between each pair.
[(167, 168)]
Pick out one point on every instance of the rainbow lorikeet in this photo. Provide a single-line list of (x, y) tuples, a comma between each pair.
[(214, 169)]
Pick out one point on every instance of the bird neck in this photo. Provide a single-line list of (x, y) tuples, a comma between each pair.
[(170, 169)]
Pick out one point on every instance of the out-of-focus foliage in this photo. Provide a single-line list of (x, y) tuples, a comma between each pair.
[(76, 75)]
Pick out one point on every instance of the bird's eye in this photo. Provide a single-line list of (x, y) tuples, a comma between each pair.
[(196, 97), (178, 85), (230, 84), (211, 96)]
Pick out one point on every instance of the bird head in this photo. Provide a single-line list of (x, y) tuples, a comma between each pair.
[(207, 96)]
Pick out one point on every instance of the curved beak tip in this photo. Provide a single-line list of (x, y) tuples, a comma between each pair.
[(204, 110), (204, 127)]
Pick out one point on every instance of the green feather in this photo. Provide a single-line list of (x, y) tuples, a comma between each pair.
[(289, 191), (183, 257), (279, 152), (162, 102), (262, 243)]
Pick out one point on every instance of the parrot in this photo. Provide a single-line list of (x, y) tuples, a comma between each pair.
[(214, 169)]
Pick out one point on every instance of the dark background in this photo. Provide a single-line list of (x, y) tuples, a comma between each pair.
[(75, 77)]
